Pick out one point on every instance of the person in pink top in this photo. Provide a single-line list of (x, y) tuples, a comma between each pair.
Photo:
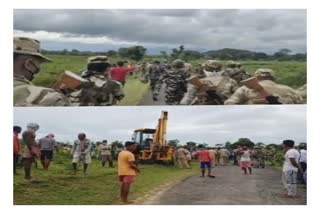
[(119, 73), (245, 161), (205, 161)]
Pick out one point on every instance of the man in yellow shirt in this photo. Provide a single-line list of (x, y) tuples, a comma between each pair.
[(127, 169)]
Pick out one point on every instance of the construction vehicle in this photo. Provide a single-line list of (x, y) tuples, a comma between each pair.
[(153, 146)]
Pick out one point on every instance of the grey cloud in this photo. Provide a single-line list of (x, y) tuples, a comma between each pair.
[(213, 29)]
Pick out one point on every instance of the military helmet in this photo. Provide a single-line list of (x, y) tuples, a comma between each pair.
[(264, 72), (178, 63), (25, 45), (98, 59), (34, 126), (212, 64), (98, 64), (231, 63)]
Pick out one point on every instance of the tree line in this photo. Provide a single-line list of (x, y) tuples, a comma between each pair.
[(137, 53)]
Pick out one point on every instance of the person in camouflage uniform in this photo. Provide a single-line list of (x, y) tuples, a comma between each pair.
[(235, 71), (240, 73), (302, 91), (27, 59), (217, 88), (279, 94), (230, 68), (100, 91), (154, 74), (175, 80), (259, 156)]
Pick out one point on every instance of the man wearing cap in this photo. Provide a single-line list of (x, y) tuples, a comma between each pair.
[(290, 168), (273, 93), (47, 145), (127, 169), (154, 73), (235, 71), (230, 68), (100, 90), (31, 150), (27, 59), (215, 87), (81, 153)]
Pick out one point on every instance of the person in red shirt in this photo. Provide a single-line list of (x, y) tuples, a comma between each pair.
[(16, 147), (205, 161), (119, 73)]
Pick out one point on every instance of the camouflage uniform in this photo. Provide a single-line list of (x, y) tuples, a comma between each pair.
[(219, 87), (285, 94), (235, 71), (230, 69), (100, 91), (154, 74), (27, 94), (176, 82), (240, 74), (302, 91)]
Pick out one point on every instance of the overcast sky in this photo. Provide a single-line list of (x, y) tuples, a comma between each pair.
[(209, 124), (256, 30)]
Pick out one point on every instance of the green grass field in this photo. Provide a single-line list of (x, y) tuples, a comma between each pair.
[(100, 187), (291, 73), (50, 73), (288, 73)]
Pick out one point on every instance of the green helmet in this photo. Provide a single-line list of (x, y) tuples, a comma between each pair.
[(212, 64), (178, 63)]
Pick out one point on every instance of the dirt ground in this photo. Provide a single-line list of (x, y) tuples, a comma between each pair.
[(230, 187)]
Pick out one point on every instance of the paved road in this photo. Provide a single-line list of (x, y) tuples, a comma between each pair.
[(230, 187)]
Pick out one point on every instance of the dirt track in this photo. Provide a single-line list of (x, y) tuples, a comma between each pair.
[(147, 100), (230, 187)]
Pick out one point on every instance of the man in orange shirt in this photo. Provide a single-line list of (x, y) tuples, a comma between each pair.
[(205, 161), (127, 169), (16, 147)]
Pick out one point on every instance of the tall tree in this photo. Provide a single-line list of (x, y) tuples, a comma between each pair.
[(243, 142), (174, 143)]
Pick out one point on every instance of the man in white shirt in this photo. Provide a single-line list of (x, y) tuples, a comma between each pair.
[(290, 168), (106, 153)]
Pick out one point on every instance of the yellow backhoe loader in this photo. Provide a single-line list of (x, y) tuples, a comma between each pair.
[(152, 143)]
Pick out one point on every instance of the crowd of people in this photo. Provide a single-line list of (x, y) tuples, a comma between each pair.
[(294, 169), (83, 150), (211, 83)]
